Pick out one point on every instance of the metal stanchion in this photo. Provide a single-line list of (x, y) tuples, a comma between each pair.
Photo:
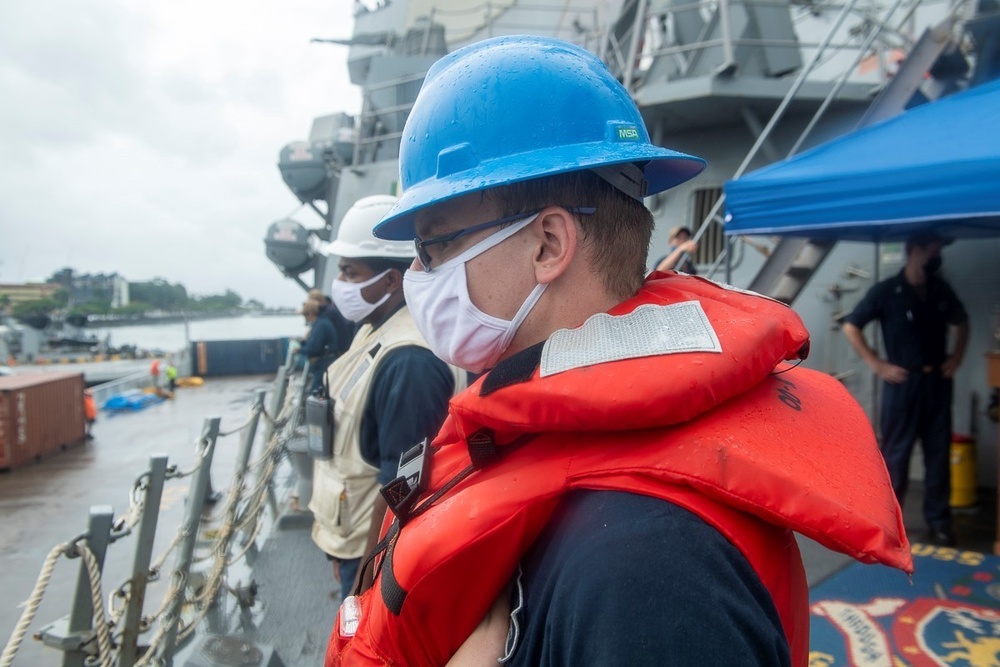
[(196, 503), (70, 633), (143, 554), (243, 458)]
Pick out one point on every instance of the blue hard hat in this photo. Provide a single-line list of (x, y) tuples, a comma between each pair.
[(517, 108)]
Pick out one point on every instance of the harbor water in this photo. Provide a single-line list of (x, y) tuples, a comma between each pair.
[(169, 337)]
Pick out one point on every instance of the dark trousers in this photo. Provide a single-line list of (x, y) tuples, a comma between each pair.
[(920, 408), (348, 571), (316, 374), (317, 369)]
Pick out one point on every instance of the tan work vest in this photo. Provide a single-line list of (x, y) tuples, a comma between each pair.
[(345, 487)]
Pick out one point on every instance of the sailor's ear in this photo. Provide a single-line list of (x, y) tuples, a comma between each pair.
[(394, 281), (556, 237)]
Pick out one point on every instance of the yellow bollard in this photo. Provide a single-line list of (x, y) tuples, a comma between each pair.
[(963, 471)]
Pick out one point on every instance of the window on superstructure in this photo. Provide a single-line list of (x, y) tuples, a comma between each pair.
[(711, 241)]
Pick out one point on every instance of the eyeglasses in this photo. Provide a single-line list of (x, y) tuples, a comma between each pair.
[(421, 245)]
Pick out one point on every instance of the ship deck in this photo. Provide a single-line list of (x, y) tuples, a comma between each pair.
[(47, 503)]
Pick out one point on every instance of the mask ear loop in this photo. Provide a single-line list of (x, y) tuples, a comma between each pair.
[(372, 281), (518, 319)]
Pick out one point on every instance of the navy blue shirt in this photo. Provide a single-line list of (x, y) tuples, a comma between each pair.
[(408, 402), (622, 579), (914, 328), (344, 327), (322, 340)]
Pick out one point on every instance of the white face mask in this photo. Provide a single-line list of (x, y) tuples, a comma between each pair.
[(347, 297), (456, 330)]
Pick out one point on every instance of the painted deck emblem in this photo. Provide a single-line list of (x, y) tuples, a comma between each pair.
[(948, 615)]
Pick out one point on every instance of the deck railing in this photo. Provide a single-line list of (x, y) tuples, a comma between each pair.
[(203, 547)]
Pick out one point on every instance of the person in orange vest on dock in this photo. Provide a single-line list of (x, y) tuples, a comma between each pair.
[(154, 372), (89, 411), (623, 483)]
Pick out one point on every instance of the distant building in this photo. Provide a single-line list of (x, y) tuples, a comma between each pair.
[(104, 288), (119, 292), (21, 292)]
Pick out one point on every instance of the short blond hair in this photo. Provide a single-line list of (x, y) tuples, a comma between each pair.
[(617, 234)]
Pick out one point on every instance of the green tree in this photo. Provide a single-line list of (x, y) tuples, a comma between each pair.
[(35, 308), (160, 294), (214, 303)]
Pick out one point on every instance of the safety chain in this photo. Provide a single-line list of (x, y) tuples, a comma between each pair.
[(202, 452), (177, 584), (232, 521), (123, 525)]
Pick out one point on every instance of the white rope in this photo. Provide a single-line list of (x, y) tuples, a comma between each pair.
[(100, 623), (255, 409), (31, 605)]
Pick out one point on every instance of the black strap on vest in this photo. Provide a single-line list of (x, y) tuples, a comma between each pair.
[(513, 370), (393, 594), (376, 550), (411, 479), (483, 452)]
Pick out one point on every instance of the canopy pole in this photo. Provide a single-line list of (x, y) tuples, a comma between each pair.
[(875, 346)]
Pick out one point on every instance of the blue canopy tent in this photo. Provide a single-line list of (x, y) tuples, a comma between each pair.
[(936, 166)]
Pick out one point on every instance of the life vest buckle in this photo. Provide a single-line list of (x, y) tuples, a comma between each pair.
[(411, 478)]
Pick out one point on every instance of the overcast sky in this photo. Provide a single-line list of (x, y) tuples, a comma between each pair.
[(142, 137)]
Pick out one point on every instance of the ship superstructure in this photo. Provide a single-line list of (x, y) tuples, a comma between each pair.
[(742, 83)]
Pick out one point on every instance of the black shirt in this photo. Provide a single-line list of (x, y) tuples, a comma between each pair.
[(914, 329), (622, 579), (407, 402)]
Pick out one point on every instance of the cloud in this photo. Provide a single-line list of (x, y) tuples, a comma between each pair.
[(143, 137)]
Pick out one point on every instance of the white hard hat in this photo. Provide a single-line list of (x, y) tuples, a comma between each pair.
[(355, 238)]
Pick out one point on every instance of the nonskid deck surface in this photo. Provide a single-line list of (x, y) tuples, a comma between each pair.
[(47, 503)]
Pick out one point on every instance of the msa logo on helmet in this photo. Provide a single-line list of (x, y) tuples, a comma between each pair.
[(628, 133)]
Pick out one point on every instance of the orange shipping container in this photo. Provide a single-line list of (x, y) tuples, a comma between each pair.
[(39, 413)]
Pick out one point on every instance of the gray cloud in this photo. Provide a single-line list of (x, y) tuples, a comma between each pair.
[(142, 137)]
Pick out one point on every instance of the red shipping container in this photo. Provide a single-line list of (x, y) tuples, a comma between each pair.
[(39, 413)]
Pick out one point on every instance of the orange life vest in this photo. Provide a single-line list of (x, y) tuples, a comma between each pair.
[(89, 406), (757, 455)]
